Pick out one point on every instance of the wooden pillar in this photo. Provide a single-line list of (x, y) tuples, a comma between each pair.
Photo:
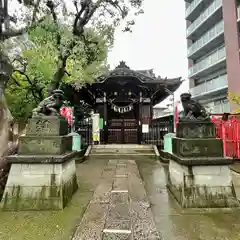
[(140, 119), (151, 110), (105, 119)]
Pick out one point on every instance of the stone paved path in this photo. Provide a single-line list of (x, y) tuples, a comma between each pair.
[(119, 209)]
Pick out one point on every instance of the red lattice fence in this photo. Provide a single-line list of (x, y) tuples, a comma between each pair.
[(228, 129)]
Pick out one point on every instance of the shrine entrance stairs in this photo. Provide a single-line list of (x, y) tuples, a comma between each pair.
[(122, 151)]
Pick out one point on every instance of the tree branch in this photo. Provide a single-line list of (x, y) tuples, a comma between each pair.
[(88, 8), (33, 86), (15, 81), (14, 33), (67, 73), (35, 10), (51, 7)]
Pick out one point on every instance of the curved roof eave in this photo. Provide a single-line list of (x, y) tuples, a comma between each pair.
[(125, 73), (164, 94), (141, 77), (144, 76)]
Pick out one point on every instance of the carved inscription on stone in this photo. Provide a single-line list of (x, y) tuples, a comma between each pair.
[(196, 131), (198, 148), (41, 146), (188, 149), (41, 127)]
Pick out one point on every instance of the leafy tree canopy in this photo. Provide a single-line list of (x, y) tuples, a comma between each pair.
[(235, 99), (70, 40), (33, 70)]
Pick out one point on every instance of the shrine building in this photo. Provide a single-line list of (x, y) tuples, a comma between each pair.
[(125, 98)]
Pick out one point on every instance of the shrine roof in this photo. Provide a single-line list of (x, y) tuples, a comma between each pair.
[(136, 81), (143, 76)]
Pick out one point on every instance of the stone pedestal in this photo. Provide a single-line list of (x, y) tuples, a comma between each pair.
[(43, 173), (199, 175)]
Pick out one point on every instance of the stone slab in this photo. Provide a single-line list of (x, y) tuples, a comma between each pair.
[(120, 184), (102, 193), (135, 157), (92, 224), (200, 161), (202, 186), (117, 236), (41, 159), (47, 126), (196, 129), (118, 224), (120, 197), (184, 147), (32, 189), (42, 145), (121, 214)]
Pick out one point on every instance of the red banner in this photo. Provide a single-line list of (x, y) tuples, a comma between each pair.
[(67, 113)]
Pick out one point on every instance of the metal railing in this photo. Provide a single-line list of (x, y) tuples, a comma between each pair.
[(157, 129), (204, 16), (192, 6), (214, 58), (207, 37), (213, 85)]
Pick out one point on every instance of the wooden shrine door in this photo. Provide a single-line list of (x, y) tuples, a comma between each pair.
[(123, 131)]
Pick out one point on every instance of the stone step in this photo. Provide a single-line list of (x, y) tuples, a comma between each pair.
[(122, 151), (122, 156), (125, 146)]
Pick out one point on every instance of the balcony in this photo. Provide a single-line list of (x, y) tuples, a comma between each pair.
[(211, 63), (194, 8), (221, 108), (210, 40), (213, 87), (206, 20)]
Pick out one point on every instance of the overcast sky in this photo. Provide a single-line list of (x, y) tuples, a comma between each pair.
[(158, 41)]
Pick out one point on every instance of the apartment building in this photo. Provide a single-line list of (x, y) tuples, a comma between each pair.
[(213, 52)]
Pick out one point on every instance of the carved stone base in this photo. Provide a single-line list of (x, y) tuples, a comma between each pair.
[(197, 147), (38, 186), (47, 126), (196, 129), (202, 186), (44, 145)]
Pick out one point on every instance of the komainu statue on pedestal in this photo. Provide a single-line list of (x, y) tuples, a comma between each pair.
[(192, 109), (51, 105)]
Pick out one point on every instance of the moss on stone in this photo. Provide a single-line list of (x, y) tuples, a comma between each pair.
[(202, 197), (68, 189), (54, 225)]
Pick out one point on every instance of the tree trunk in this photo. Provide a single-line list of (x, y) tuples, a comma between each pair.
[(64, 53), (58, 76), (5, 120)]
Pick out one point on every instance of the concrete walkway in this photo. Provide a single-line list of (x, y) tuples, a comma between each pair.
[(119, 208)]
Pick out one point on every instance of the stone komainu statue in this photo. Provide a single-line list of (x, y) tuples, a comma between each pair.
[(192, 109), (50, 106)]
